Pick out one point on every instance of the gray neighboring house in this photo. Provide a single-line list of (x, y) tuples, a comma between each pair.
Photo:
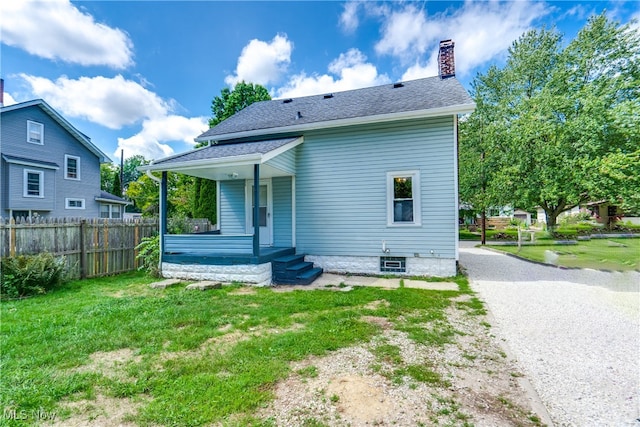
[(48, 168), (361, 181)]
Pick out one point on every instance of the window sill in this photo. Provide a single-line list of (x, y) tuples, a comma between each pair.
[(401, 225)]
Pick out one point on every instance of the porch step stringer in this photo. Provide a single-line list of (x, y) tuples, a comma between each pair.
[(294, 270)]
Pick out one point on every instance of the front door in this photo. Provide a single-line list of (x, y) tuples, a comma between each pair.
[(265, 219)]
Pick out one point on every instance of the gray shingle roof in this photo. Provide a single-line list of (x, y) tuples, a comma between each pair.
[(104, 196), (415, 95), (27, 161), (228, 150)]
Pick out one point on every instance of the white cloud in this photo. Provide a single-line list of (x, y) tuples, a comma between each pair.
[(405, 32), (7, 99), (350, 69), (481, 31), (57, 30), (261, 62), (349, 18), (116, 103), (151, 141), (111, 102)]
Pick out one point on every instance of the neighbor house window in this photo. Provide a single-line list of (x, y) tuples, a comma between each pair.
[(110, 211), (403, 198), (72, 167), (35, 132), (74, 203), (33, 183)]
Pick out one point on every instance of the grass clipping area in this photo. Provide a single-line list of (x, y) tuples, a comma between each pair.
[(113, 351), (599, 254)]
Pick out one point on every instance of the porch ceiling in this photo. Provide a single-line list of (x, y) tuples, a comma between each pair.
[(229, 160)]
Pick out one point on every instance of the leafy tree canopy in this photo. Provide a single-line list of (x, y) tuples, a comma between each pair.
[(231, 101), (556, 126)]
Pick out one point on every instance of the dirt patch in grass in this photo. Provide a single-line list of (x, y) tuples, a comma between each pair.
[(374, 305), (358, 398), (244, 290), (110, 363), (103, 411), (383, 322), (470, 380)]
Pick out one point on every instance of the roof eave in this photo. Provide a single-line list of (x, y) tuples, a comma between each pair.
[(195, 164), (118, 202), (380, 118)]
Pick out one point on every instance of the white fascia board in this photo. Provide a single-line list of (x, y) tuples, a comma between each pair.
[(380, 118), (204, 163), (112, 202), (275, 153), (34, 164)]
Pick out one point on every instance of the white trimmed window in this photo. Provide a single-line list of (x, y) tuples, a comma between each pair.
[(71, 167), (74, 203), (403, 198), (110, 211), (33, 184), (35, 132)]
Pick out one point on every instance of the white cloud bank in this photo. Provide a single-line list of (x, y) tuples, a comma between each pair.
[(116, 103), (262, 62), (481, 31), (57, 30), (149, 141), (350, 71)]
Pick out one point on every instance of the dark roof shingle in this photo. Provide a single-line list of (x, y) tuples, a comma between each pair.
[(415, 95)]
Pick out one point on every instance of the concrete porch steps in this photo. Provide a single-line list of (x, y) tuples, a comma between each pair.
[(294, 270)]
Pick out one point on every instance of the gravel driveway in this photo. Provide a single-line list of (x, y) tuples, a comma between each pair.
[(575, 333)]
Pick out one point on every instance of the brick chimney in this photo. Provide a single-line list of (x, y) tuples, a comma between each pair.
[(446, 61), (1, 92)]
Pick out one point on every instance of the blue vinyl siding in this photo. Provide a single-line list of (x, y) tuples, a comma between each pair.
[(57, 143), (282, 216), (341, 193), (285, 162), (207, 244), (232, 207)]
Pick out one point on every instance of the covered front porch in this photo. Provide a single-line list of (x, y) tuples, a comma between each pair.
[(255, 185)]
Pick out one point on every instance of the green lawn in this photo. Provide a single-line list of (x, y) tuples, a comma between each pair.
[(194, 358), (601, 254)]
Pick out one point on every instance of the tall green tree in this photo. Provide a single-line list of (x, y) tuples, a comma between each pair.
[(558, 121), (116, 188), (223, 106), (130, 170), (107, 170)]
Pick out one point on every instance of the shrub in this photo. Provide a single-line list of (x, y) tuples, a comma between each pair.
[(26, 275), (575, 218), (149, 255)]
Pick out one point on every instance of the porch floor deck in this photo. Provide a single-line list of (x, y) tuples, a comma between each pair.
[(220, 258)]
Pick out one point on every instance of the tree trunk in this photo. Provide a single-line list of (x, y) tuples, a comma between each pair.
[(483, 232)]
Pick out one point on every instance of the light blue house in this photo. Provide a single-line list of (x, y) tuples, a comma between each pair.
[(362, 181), (48, 168)]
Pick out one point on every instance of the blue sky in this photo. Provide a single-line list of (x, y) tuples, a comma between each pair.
[(140, 75)]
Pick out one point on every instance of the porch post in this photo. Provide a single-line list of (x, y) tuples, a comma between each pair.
[(163, 212), (256, 209)]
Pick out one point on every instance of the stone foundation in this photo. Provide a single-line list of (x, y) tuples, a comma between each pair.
[(249, 274), (438, 267)]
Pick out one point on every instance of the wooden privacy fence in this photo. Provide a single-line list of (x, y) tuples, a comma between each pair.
[(92, 247)]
